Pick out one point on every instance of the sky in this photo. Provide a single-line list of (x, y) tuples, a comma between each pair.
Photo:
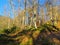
[(4, 3)]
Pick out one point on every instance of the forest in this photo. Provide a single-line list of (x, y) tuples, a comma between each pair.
[(30, 22)]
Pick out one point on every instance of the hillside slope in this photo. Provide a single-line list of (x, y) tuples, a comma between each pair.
[(4, 22)]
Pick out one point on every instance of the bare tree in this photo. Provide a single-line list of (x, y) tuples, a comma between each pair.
[(13, 9), (7, 14), (50, 12)]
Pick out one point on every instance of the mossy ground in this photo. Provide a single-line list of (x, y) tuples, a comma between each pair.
[(44, 35)]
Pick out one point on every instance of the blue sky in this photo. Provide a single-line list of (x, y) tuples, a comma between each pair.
[(4, 3)]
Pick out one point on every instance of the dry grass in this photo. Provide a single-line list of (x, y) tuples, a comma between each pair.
[(58, 24)]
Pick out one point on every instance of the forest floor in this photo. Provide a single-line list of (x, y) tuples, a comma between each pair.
[(44, 35)]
